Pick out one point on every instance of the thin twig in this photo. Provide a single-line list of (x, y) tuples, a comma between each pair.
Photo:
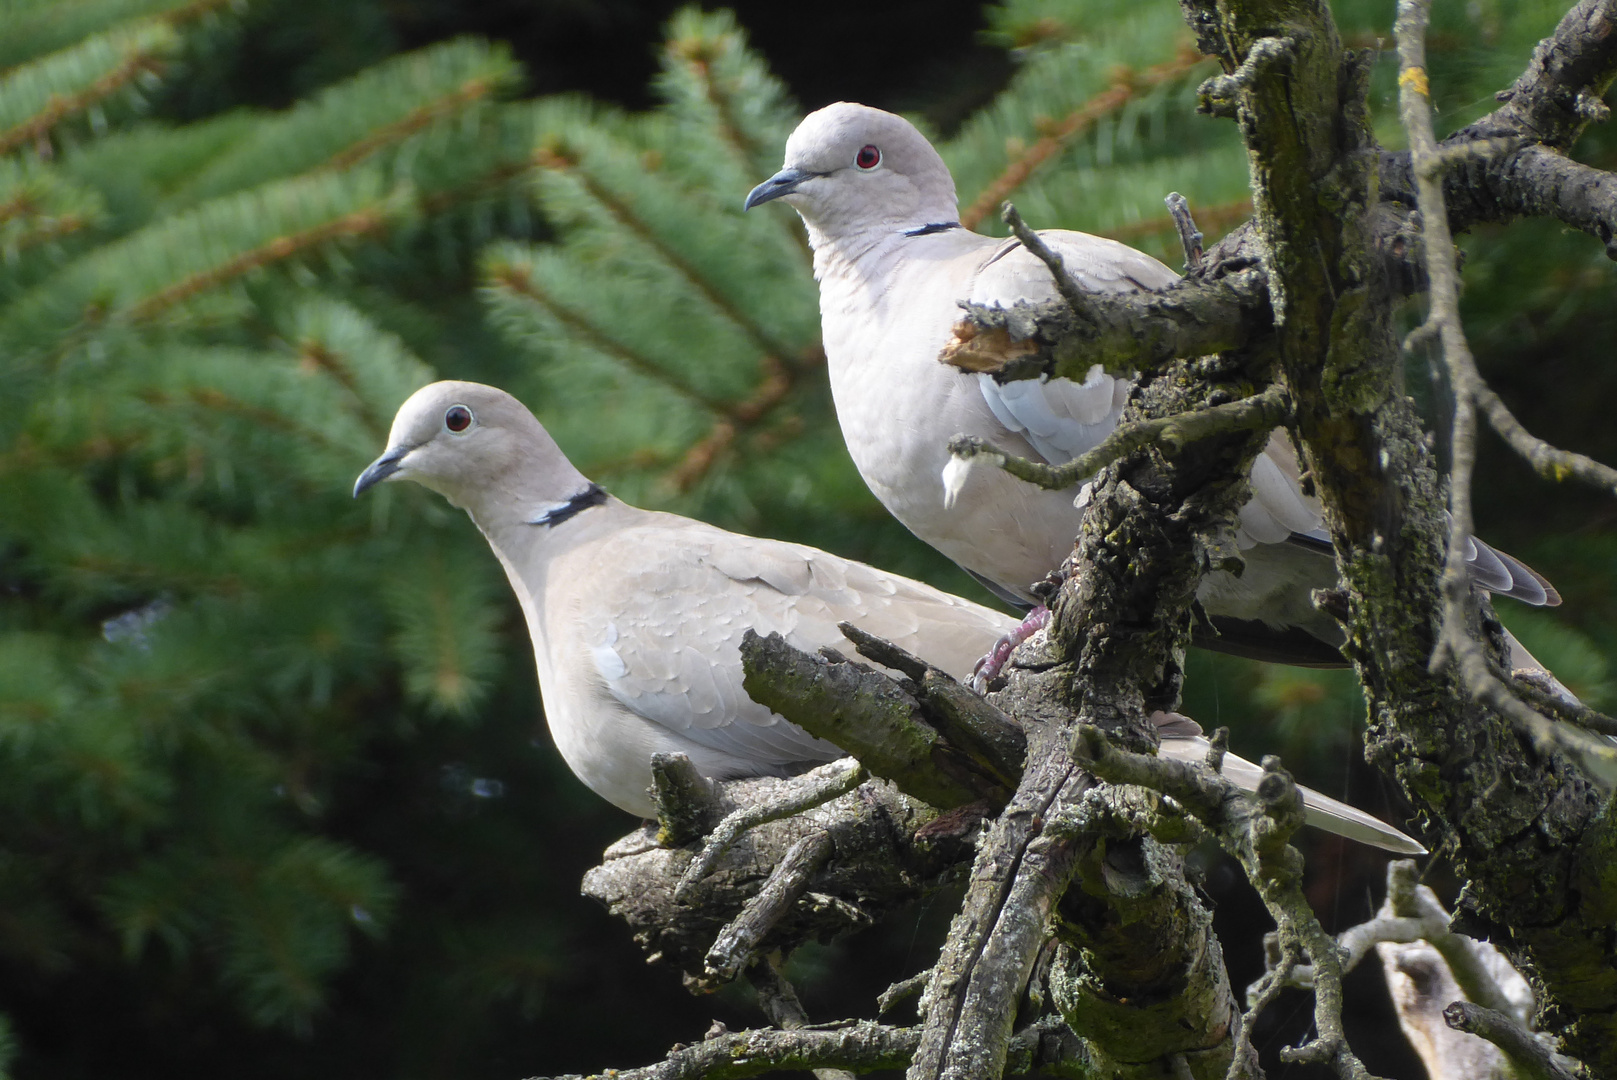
[(1527, 684), (858, 1046), (1549, 461), (779, 1001), (1267, 409), (818, 788), (1410, 913), (1216, 96), (1455, 643), (1076, 298), (1190, 237), (1531, 1059), (902, 991)]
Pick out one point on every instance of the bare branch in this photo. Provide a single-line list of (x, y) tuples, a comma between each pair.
[(1217, 96), (868, 715), (1190, 237), (889, 850), (1532, 687), (735, 944), (901, 991), (858, 1046), (1455, 641), (1409, 899), (1411, 912), (1077, 299), (1531, 1059), (1570, 69), (1018, 875), (1549, 461), (1196, 316), (970, 723), (814, 788), (1544, 112), (1171, 434), (1255, 831)]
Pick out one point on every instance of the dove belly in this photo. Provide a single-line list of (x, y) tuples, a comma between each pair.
[(609, 747), (897, 427)]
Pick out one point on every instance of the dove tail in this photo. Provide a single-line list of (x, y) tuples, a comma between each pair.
[(1321, 811)]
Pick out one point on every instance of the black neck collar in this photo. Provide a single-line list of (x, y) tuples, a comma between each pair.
[(936, 226), (593, 495)]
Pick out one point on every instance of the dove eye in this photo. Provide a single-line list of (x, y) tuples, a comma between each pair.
[(868, 157), (457, 418)]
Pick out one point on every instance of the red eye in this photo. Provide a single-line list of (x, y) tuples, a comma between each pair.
[(868, 157), (457, 418)]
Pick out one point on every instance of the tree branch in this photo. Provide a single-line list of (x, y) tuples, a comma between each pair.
[(1558, 95), (1544, 113), (1530, 1059), (1255, 831), (1410, 913), (1455, 641), (1018, 875), (887, 851), (1126, 332), (786, 884), (814, 788), (869, 715), (1263, 411), (858, 1046), (1549, 461)]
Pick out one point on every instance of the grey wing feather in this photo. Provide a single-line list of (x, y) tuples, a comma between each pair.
[(1278, 499), (670, 649), (1523, 582)]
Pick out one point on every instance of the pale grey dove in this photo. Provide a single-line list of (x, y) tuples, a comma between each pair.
[(894, 265), (637, 617)]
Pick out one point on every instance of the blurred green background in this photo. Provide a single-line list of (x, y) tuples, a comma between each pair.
[(277, 798)]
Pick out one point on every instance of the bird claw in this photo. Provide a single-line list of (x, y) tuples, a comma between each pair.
[(989, 667)]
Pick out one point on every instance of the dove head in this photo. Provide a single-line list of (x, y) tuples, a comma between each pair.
[(852, 169), (478, 447)]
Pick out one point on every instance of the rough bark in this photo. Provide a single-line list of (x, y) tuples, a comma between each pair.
[(1517, 820), (1305, 292), (1324, 237), (880, 858)]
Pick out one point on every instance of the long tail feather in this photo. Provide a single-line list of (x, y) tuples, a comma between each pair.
[(1322, 811)]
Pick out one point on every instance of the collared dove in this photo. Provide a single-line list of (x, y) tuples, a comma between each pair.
[(637, 617), (893, 264)]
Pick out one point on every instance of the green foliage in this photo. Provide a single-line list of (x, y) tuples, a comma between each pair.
[(37, 95), (251, 731), (200, 634)]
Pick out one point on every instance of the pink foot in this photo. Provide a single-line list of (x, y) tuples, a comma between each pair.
[(988, 668)]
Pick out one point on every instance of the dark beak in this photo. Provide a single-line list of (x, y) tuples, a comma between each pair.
[(782, 183), (380, 469)]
